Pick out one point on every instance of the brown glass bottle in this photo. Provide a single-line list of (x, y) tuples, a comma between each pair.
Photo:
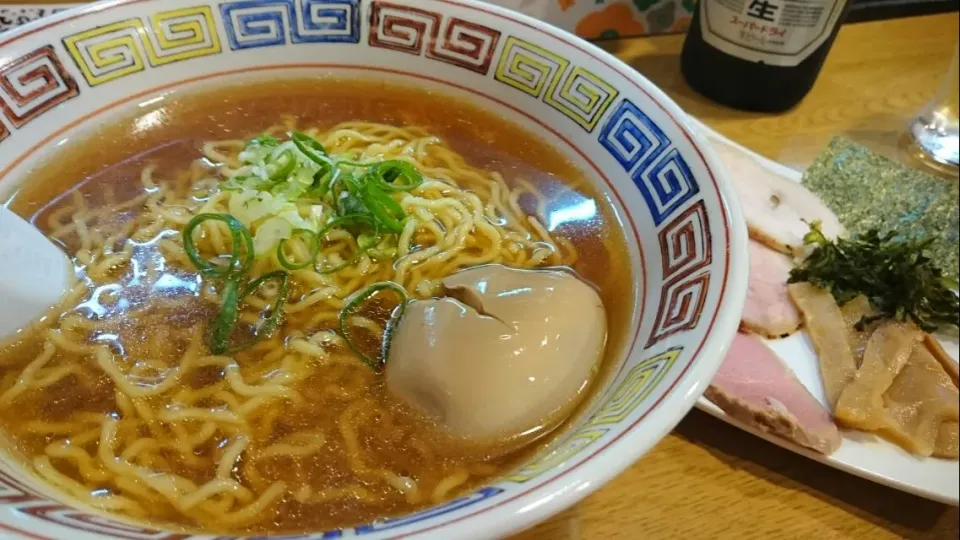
[(746, 75)]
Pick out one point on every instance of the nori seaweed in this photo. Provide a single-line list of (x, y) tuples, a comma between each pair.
[(868, 191)]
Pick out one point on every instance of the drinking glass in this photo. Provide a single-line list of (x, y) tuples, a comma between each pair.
[(936, 130)]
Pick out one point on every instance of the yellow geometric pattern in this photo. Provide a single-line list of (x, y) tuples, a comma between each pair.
[(582, 97), (109, 52), (578, 93), (636, 386), (640, 381), (182, 33), (527, 67), (571, 447)]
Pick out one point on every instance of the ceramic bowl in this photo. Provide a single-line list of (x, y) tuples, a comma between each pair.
[(79, 69)]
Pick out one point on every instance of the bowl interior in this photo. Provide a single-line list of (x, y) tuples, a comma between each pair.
[(68, 74)]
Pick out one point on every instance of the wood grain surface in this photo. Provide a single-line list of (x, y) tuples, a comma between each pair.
[(710, 480)]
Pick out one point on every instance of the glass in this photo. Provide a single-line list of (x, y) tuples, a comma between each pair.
[(936, 130)]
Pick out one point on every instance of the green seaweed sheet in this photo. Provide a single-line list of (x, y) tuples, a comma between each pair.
[(868, 191)]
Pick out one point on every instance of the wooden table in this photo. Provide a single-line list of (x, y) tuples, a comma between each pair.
[(710, 480)]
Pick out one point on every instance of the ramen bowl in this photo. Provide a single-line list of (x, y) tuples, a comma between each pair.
[(682, 231)]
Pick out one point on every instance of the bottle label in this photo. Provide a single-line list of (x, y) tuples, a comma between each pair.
[(775, 32)]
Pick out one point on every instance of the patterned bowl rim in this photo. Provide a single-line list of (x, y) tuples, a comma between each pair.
[(545, 497)]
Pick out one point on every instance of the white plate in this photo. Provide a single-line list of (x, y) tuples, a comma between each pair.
[(862, 454)]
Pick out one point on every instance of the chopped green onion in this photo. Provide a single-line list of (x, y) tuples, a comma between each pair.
[(378, 251), (241, 241), (355, 301), (222, 326), (396, 175), (314, 240), (348, 219), (284, 171), (350, 187), (361, 248), (226, 320), (315, 151), (264, 140), (322, 182), (357, 164), (310, 148), (276, 311), (347, 201), (386, 210)]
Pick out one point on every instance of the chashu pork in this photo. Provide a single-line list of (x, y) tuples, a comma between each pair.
[(754, 386), (768, 310), (776, 208)]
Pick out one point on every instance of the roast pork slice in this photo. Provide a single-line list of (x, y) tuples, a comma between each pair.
[(776, 208), (754, 386), (768, 310)]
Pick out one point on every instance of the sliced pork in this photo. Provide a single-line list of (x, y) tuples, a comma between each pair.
[(768, 310), (754, 386), (774, 206)]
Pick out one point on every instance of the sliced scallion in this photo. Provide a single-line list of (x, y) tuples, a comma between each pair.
[(289, 163), (386, 210), (242, 247), (313, 240), (221, 329), (396, 175), (222, 325), (264, 140), (362, 219), (355, 301), (315, 151), (271, 323)]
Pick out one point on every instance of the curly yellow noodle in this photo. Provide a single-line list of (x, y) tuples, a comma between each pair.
[(89, 469), (448, 484), (26, 379)]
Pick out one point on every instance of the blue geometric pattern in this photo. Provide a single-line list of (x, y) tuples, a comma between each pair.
[(264, 23), (666, 185), (631, 137), (659, 172), (256, 23), (327, 21)]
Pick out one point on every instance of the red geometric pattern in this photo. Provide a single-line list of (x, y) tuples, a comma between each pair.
[(4, 132), (12, 491), (85, 521), (447, 39), (685, 243), (684, 250), (34, 84), (681, 304), (27, 501)]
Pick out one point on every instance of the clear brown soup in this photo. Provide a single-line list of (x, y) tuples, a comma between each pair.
[(149, 321)]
